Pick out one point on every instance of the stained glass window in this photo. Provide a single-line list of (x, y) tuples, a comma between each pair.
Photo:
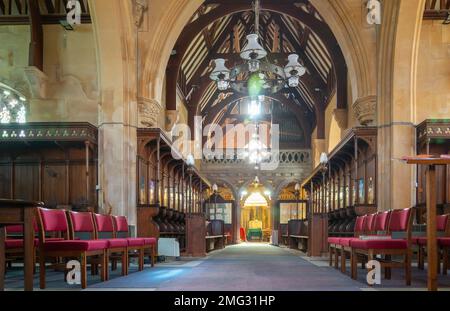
[(12, 106)]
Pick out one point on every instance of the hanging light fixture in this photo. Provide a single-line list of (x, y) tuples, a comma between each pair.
[(294, 70), (221, 74), (256, 75)]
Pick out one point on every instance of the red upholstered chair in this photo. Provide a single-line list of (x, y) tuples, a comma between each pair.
[(135, 245), (14, 243), (443, 227), (398, 221), (337, 245), (117, 248), (56, 221)]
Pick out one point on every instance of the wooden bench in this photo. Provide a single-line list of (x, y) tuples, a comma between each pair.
[(215, 235), (298, 234), (214, 242)]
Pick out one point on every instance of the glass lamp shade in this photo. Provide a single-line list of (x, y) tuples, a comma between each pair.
[(215, 188), (294, 68), (223, 85), (253, 65), (323, 158), (190, 161), (220, 71), (294, 81), (253, 50), (297, 187)]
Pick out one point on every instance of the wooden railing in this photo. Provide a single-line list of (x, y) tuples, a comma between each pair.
[(52, 11), (437, 9)]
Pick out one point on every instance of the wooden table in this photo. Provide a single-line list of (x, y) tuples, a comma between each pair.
[(16, 213), (432, 247)]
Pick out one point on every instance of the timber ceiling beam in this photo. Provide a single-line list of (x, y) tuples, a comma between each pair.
[(36, 53)]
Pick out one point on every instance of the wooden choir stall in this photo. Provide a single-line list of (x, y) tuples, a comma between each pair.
[(342, 188), (169, 194), (54, 163)]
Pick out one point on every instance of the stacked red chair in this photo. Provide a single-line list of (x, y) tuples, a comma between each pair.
[(88, 223), (55, 221), (399, 221), (136, 246)]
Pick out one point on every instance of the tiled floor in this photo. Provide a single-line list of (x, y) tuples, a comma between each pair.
[(248, 266)]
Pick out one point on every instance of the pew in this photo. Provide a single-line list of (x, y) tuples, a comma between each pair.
[(298, 234), (215, 235)]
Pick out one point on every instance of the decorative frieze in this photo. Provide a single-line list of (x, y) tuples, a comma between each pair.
[(433, 129), (48, 131)]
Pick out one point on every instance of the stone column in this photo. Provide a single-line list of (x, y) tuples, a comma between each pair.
[(397, 68), (118, 106)]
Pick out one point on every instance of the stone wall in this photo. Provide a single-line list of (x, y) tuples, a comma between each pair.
[(433, 74)]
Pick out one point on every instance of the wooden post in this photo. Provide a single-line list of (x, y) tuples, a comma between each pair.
[(87, 172), (36, 52), (158, 171), (431, 228), (2, 258)]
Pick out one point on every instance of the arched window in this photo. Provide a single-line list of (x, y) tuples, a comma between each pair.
[(12, 106)]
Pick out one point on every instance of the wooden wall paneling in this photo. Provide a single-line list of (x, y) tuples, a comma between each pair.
[(77, 183), (54, 184), (26, 181), (5, 179)]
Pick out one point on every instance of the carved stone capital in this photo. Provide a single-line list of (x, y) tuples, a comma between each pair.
[(140, 6), (365, 109), (171, 119), (149, 111), (341, 117), (37, 82)]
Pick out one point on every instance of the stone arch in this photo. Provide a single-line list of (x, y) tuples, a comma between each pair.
[(166, 21), (283, 185), (358, 55)]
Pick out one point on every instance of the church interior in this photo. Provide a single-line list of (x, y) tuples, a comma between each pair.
[(224, 145)]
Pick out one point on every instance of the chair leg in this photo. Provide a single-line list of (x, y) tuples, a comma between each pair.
[(330, 254), (336, 258), (153, 255), (408, 256), (421, 258), (124, 263), (106, 265), (354, 264), (438, 261), (445, 260), (370, 257), (387, 269), (103, 266), (83, 271), (41, 271), (141, 259), (343, 260)]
